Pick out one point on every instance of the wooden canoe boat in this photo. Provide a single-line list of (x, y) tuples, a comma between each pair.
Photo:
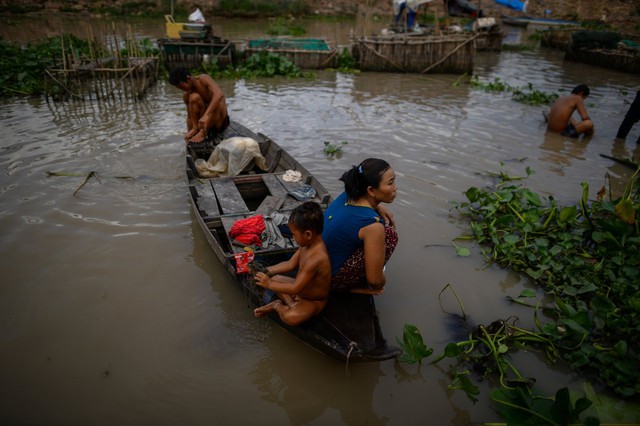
[(524, 21), (348, 328)]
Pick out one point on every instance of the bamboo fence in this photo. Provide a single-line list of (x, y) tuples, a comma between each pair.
[(105, 73), (454, 54)]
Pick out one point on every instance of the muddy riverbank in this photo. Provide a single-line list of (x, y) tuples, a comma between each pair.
[(622, 15)]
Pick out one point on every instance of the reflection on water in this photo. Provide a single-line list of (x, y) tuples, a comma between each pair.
[(559, 151), (113, 306), (332, 398)]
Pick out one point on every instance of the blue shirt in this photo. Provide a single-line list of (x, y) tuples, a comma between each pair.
[(342, 222)]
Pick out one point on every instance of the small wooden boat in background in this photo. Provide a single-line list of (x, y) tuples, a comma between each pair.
[(188, 45), (606, 49), (524, 21), (348, 328)]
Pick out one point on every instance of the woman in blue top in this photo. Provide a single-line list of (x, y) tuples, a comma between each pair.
[(359, 231)]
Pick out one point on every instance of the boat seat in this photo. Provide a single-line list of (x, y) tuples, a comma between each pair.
[(279, 188), (206, 200), (228, 196), (269, 205)]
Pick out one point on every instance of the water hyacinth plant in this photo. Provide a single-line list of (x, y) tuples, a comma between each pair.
[(586, 256)]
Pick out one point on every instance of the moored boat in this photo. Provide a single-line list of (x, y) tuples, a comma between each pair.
[(606, 49), (189, 45), (524, 21), (348, 328)]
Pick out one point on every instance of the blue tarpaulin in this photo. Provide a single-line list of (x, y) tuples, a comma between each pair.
[(520, 6)]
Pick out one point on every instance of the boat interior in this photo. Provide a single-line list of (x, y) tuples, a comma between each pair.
[(221, 201)]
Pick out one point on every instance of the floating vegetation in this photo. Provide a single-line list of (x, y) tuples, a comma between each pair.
[(527, 95), (22, 67), (587, 256), (533, 96), (485, 354), (412, 345), (332, 150), (346, 62), (261, 64), (67, 66), (267, 64)]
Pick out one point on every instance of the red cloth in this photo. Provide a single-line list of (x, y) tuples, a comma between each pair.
[(248, 230)]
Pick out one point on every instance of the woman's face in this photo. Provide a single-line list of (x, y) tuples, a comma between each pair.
[(386, 191)]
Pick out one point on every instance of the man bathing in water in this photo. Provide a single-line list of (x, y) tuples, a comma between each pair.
[(306, 295), (206, 106), (560, 118)]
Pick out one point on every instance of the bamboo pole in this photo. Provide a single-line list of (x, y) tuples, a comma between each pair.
[(430, 67), (381, 55)]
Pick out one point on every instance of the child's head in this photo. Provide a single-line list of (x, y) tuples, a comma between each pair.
[(307, 217), (581, 89)]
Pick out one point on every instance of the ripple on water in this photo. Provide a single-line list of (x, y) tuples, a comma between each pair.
[(32, 220)]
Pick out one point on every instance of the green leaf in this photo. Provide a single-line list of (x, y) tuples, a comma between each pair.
[(413, 346), (504, 195), (452, 350), (531, 197), (511, 238), (463, 251), (527, 293), (567, 214), (535, 274), (626, 212), (472, 194)]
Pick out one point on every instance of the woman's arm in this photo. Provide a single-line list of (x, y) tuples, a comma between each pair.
[(374, 251), (386, 215)]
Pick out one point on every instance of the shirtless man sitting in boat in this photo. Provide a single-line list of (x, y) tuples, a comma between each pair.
[(560, 118), (306, 295), (206, 106)]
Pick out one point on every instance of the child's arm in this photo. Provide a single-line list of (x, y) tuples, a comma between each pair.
[(286, 266), (290, 286)]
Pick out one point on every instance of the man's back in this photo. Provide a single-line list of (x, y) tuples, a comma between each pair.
[(561, 111)]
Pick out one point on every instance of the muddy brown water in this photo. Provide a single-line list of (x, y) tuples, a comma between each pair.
[(113, 309)]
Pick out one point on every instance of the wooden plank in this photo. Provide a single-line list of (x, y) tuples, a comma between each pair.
[(227, 223), (206, 199), (275, 187), (269, 205), (275, 184), (228, 196), (291, 186)]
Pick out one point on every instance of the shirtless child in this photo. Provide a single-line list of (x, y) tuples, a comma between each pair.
[(560, 118), (306, 295), (206, 105)]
